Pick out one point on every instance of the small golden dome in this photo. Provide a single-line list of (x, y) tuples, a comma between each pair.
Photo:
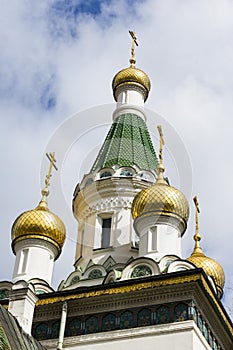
[(131, 76), (211, 267), (39, 223), (161, 199)]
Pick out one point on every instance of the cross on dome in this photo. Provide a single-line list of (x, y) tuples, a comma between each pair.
[(134, 41), (52, 160)]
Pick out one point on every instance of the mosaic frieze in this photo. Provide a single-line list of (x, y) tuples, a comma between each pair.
[(125, 319)]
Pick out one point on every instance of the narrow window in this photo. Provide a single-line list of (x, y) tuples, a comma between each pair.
[(152, 239), (106, 231), (23, 261)]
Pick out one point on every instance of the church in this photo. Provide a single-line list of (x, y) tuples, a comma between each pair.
[(131, 287)]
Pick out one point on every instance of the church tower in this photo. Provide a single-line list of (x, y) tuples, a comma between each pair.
[(126, 164)]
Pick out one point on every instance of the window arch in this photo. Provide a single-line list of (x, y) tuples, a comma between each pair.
[(41, 331), (105, 174), (91, 325), (74, 327), (96, 273), (162, 315), (144, 317), (55, 330), (126, 320), (126, 172), (141, 271), (109, 322), (181, 312)]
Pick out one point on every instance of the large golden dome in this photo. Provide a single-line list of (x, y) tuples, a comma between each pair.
[(131, 76), (39, 223), (161, 199)]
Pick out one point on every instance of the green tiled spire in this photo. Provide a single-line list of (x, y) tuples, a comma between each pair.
[(128, 143)]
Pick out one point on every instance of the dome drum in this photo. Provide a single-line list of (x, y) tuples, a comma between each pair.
[(130, 86), (153, 218), (36, 241)]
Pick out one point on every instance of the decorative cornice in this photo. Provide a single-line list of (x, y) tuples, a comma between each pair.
[(120, 289), (101, 195)]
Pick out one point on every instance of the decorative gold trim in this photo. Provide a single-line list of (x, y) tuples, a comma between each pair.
[(121, 289), (141, 286)]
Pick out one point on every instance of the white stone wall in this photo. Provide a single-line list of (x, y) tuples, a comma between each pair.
[(176, 336), (34, 259)]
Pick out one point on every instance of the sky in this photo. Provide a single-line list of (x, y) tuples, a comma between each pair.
[(57, 62)]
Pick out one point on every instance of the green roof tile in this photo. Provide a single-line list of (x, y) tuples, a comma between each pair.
[(127, 143)]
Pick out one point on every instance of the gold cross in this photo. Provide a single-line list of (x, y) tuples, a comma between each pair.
[(197, 237), (52, 160), (161, 143), (134, 41)]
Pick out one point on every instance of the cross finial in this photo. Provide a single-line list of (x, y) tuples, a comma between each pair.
[(52, 160), (134, 42), (161, 143), (197, 237)]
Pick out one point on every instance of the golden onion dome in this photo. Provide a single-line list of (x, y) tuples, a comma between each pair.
[(131, 77), (39, 223), (211, 267), (161, 199)]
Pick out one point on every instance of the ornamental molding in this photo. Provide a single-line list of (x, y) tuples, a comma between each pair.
[(115, 190), (106, 205), (104, 303)]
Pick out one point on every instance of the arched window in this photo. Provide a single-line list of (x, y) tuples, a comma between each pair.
[(106, 232), (126, 172), (105, 174), (91, 325), (162, 315), (74, 280), (96, 273), (41, 331), (126, 320), (74, 327), (55, 330), (109, 322), (4, 293), (144, 317), (140, 271), (181, 312)]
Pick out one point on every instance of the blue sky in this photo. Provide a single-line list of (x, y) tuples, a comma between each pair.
[(58, 58)]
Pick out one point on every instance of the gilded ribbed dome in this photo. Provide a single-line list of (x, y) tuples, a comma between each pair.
[(131, 76), (211, 267), (39, 223), (161, 199)]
